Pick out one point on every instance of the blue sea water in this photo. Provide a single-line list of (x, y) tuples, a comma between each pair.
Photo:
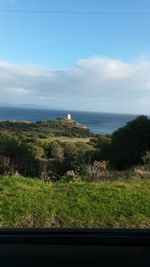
[(104, 123)]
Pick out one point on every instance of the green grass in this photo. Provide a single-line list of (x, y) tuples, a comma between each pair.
[(25, 202)]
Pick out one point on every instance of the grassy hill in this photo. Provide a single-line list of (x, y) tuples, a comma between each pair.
[(32, 203), (58, 127)]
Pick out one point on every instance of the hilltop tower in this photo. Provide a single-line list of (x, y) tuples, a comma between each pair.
[(68, 116)]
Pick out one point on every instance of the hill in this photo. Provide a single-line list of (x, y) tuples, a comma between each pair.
[(58, 127)]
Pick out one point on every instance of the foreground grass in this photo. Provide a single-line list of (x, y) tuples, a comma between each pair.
[(25, 202)]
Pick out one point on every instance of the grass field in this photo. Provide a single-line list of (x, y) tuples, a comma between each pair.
[(26, 202)]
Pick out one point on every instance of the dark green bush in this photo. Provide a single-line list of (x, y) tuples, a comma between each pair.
[(130, 143)]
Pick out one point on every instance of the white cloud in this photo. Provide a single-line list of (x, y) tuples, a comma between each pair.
[(97, 83), (18, 91)]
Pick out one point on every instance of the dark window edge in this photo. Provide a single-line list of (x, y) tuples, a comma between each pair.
[(121, 237)]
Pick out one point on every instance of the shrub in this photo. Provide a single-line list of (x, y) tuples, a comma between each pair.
[(130, 143), (70, 149), (146, 157), (57, 150), (6, 167), (20, 156), (37, 151), (102, 144), (99, 170)]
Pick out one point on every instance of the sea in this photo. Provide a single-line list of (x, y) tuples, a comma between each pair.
[(97, 122)]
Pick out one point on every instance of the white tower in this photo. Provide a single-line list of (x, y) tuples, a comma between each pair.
[(68, 116)]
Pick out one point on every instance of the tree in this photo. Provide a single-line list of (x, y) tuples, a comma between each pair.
[(130, 143)]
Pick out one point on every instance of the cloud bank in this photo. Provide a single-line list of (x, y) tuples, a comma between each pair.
[(96, 83)]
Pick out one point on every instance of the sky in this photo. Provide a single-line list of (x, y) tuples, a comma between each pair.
[(73, 59)]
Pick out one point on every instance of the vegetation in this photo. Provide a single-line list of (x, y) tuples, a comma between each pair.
[(32, 203), (25, 149), (130, 143), (78, 179), (43, 129), (31, 154)]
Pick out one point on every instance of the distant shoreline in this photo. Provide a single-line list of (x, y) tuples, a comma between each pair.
[(36, 107), (97, 122)]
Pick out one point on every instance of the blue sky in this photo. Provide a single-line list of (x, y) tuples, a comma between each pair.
[(60, 40), (68, 48)]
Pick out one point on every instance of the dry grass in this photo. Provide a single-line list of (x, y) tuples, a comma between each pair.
[(66, 139)]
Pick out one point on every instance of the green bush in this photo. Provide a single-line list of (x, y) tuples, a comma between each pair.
[(70, 149), (57, 150), (130, 143), (21, 156)]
